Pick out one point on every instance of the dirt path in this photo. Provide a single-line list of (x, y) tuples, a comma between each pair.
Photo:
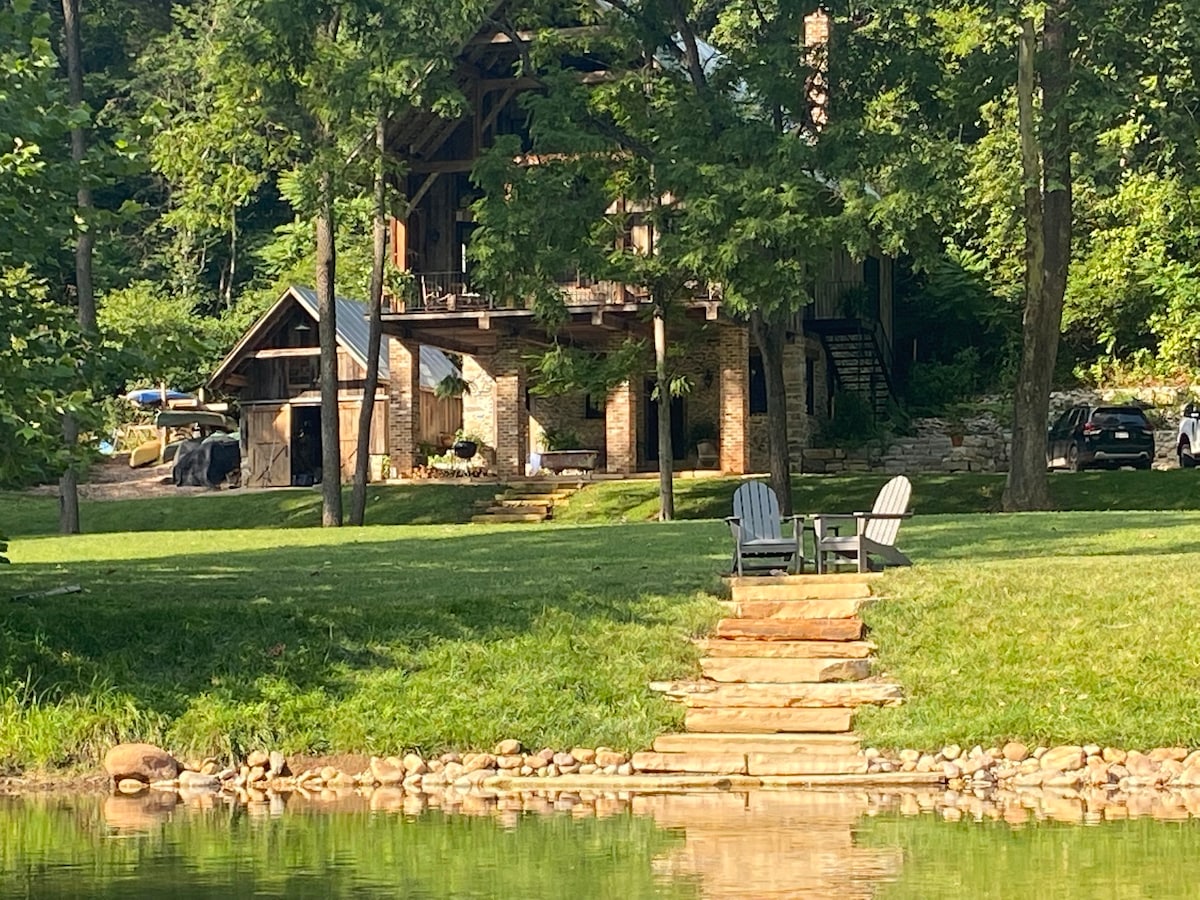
[(112, 479)]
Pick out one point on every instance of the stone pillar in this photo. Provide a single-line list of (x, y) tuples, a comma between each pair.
[(734, 355), (620, 427), (479, 406), (511, 416), (404, 404)]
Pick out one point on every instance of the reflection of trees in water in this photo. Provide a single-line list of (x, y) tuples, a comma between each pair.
[(906, 842)]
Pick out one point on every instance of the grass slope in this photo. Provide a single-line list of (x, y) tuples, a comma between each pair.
[(374, 639), (1050, 627)]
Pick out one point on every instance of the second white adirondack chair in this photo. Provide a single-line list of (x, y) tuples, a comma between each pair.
[(875, 532), (758, 538)]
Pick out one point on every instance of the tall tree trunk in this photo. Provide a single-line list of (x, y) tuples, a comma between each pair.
[(68, 486), (331, 463), (769, 335), (666, 454), (1048, 213), (358, 496)]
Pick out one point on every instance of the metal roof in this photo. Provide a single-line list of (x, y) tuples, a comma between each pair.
[(352, 333)]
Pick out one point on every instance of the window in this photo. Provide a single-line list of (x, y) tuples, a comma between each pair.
[(758, 383), (810, 386), (592, 409)]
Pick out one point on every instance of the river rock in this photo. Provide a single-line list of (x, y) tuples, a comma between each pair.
[(414, 765), (1015, 751), (131, 786), (606, 758), (563, 760), (1162, 754), (510, 747), (474, 761), (277, 766), (592, 769), (385, 772), (951, 752), (1113, 755), (1140, 765), (509, 763), (198, 781), (1062, 759), (584, 755), (144, 762), (258, 758)]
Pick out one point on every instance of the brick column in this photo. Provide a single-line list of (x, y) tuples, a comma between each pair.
[(794, 378), (620, 428), (511, 416), (404, 404), (734, 355)]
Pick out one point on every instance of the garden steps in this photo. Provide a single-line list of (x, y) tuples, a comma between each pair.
[(525, 503), (781, 678)]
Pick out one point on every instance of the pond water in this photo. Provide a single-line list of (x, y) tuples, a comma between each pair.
[(848, 844)]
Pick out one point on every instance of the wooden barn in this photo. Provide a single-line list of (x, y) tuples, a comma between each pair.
[(273, 371)]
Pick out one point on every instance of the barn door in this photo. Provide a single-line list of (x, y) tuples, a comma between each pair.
[(269, 446)]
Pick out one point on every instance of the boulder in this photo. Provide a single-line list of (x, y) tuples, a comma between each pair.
[(143, 762)]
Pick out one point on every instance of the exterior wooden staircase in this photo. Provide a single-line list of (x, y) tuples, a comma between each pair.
[(530, 502), (781, 680)]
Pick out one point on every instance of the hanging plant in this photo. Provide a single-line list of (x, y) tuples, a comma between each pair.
[(451, 386)]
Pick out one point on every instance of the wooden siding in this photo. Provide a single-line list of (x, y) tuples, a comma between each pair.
[(268, 440), (439, 417)]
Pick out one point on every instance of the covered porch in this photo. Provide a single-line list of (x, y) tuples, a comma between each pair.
[(501, 409)]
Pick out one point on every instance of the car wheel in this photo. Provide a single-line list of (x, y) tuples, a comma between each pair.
[(1186, 460), (1143, 464), (1073, 463)]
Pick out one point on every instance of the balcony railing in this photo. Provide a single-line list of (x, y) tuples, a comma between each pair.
[(453, 291)]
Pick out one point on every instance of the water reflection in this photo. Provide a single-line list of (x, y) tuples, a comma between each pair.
[(793, 843)]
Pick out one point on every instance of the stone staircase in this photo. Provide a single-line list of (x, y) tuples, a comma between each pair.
[(529, 502), (781, 680)]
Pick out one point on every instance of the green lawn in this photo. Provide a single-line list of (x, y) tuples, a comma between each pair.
[(1046, 627)]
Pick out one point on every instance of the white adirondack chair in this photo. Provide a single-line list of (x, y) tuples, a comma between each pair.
[(875, 532), (758, 541)]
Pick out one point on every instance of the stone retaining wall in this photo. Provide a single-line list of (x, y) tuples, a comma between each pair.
[(982, 443)]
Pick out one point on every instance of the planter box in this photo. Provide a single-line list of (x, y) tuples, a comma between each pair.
[(558, 461)]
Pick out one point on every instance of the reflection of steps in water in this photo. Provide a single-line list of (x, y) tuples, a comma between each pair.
[(772, 843)]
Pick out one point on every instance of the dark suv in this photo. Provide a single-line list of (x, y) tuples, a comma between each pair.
[(1100, 437)]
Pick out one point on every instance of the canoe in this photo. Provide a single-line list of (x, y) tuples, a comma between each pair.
[(145, 454)]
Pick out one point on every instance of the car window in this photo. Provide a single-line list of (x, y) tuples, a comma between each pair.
[(1119, 417), (1078, 414), (1062, 422)]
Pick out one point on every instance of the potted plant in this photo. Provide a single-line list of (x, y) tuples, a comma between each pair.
[(465, 445)]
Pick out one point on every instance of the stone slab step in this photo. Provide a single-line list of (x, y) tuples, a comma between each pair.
[(789, 764), (792, 744), (693, 762), (775, 671), (839, 608), (515, 502), (791, 629), (524, 509), (785, 649), (490, 518), (701, 694), (767, 721), (543, 496), (742, 589)]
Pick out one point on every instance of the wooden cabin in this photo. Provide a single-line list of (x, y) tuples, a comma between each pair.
[(840, 343), (273, 372)]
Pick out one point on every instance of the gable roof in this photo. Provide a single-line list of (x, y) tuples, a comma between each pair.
[(352, 335)]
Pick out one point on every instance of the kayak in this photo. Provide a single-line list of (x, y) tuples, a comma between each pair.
[(145, 454)]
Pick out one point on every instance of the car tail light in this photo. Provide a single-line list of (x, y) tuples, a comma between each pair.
[(1091, 429)]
